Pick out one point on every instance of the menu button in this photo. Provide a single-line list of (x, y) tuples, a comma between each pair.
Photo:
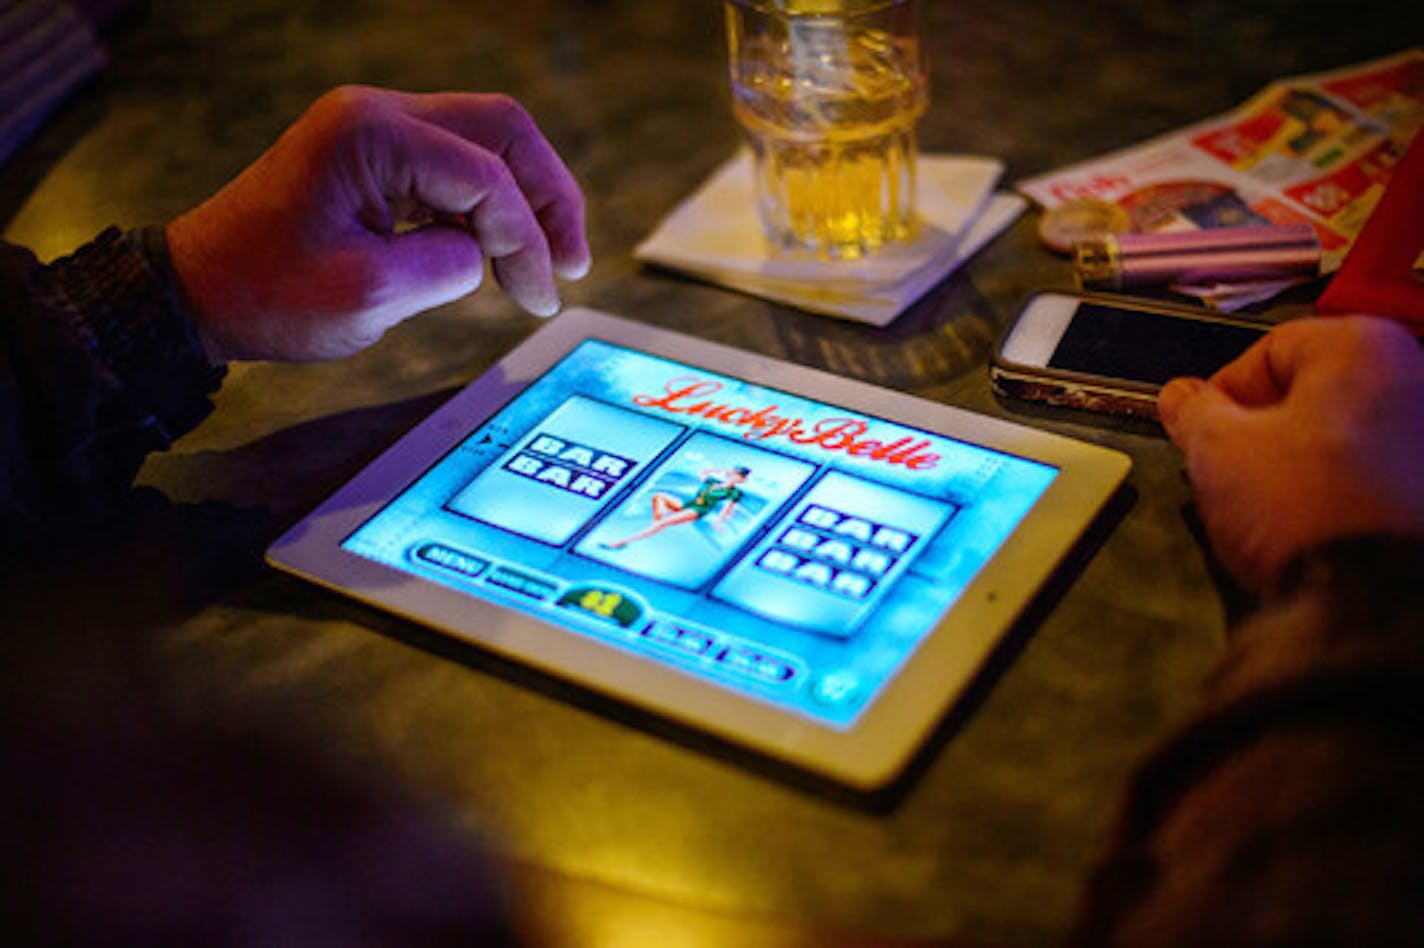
[(449, 558)]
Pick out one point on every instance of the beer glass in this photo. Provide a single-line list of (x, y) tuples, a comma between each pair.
[(827, 93)]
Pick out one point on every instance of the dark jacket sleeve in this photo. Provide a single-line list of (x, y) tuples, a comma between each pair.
[(1290, 810), (98, 366)]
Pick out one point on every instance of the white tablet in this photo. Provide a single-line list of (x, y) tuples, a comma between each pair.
[(806, 565)]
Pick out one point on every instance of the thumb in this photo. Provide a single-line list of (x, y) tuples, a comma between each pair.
[(1173, 395), (425, 268), (1188, 407)]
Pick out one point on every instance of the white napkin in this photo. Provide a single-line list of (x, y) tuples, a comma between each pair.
[(715, 235)]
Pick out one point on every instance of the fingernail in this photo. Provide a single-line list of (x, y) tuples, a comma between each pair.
[(577, 270)]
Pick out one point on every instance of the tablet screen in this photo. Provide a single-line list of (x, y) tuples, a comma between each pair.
[(786, 549)]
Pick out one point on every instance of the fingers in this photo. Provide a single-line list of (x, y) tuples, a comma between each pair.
[(455, 176), (1210, 428), (363, 161), (1264, 373), (1258, 376), (1172, 397), (1318, 349), (502, 126), (1190, 408)]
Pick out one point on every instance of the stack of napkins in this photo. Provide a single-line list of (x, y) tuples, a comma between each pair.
[(715, 235)]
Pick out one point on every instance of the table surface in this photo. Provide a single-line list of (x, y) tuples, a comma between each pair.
[(989, 838)]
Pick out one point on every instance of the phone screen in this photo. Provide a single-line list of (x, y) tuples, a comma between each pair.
[(1146, 347)]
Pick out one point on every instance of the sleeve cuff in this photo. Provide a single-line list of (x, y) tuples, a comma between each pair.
[(136, 319), (1347, 605)]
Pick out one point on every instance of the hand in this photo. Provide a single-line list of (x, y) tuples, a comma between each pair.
[(1315, 433), (303, 256)]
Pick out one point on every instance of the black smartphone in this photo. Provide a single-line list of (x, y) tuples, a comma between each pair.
[(1111, 355)]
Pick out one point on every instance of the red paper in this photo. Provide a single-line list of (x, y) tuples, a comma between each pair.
[(1378, 274)]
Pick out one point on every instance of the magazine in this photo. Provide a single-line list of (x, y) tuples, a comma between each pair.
[(1316, 149)]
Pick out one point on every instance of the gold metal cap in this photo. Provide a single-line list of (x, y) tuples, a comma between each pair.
[(1097, 262)]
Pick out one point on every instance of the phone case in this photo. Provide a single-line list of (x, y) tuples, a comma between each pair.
[(1069, 390)]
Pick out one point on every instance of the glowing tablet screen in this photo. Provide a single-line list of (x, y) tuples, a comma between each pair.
[(787, 549)]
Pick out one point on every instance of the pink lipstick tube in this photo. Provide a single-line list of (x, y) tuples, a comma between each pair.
[(1223, 255)]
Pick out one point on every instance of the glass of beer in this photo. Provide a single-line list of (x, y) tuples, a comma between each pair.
[(828, 93)]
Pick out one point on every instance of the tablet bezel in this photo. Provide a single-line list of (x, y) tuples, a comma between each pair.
[(936, 672)]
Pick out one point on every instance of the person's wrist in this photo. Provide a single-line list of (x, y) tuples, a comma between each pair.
[(195, 275)]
